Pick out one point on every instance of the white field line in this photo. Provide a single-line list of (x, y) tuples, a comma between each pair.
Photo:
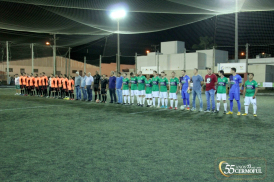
[(36, 107), (146, 111)]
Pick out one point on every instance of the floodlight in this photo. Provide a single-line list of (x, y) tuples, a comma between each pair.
[(118, 14)]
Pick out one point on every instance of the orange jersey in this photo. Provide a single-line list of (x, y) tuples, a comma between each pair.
[(60, 82), (57, 80), (70, 84), (46, 80), (36, 82), (21, 80), (24, 80), (41, 81), (65, 83), (52, 82), (31, 81), (27, 81)]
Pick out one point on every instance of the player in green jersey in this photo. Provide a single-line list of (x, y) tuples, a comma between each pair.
[(163, 89), (155, 88), (174, 88), (141, 89), (249, 94), (148, 83), (125, 88), (221, 90), (133, 87)]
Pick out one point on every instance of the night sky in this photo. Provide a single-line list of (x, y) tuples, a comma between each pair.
[(255, 28)]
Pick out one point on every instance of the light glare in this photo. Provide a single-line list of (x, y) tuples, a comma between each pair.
[(118, 14)]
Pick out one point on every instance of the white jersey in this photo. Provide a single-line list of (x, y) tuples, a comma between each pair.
[(16, 80)]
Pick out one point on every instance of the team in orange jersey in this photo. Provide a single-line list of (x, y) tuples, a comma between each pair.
[(42, 86)]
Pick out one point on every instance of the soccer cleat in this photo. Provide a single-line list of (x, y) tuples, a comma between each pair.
[(170, 107), (175, 108), (165, 107), (187, 108), (244, 114), (224, 112), (238, 114), (148, 105), (216, 111), (229, 112), (141, 105), (207, 110), (255, 115), (193, 109), (162, 106), (158, 106), (201, 110)]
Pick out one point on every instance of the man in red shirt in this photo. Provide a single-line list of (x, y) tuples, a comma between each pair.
[(210, 80)]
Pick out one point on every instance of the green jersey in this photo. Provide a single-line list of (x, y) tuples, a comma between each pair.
[(163, 83), (125, 83), (133, 82), (174, 82), (222, 85), (141, 82), (250, 88), (155, 83), (148, 86)]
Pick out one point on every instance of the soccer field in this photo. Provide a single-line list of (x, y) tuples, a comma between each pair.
[(59, 140)]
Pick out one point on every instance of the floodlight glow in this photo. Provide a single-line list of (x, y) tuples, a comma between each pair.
[(118, 14), (242, 53), (47, 43), (148, 52), (263, 53)]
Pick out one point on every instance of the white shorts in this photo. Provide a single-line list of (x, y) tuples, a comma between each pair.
[(221, 97), (249, 100), (125, 92), (155, 93), (133, 92), (141, 92), (148, 96), (163, 95), (173, 96)]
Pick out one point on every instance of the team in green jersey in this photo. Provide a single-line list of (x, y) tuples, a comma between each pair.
[(149, 88), (173, 91), (250, 92), (221, 91), (141, 89), (148, 83), (125, 88)]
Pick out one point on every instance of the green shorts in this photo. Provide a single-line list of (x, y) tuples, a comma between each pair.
[(17, 86)]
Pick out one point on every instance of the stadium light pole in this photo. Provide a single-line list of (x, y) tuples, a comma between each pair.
[(236, 31), (32, 59), (8, 69), (117, 15)]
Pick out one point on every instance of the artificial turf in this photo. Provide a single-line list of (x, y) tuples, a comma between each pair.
[(58, 140)]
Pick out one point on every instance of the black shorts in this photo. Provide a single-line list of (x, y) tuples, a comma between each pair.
[(22, 86), (96, 87), (52, 89), (103, 91), (41, 87), (71, 91), (31, 87)]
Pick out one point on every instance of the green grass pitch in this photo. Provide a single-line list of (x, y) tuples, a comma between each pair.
[(58, 140)]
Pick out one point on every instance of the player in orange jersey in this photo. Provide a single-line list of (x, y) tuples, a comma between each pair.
[(36, 84), (71, 88)]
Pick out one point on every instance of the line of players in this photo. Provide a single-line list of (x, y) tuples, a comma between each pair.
[(59, 86), (146, 89), (149, 89)]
